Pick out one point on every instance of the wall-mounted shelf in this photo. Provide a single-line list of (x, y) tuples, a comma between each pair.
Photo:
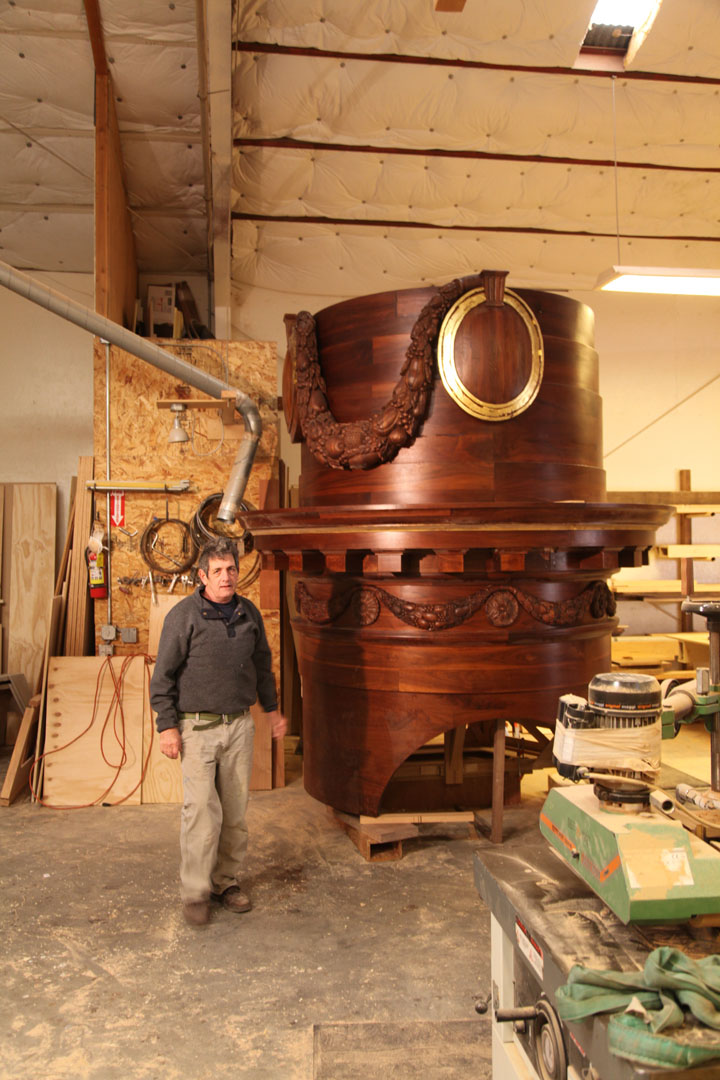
[(688, 504), (225, 405)]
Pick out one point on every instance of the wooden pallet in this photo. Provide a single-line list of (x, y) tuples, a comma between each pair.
[(380, 839)]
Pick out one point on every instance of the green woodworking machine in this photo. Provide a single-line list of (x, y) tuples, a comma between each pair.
[(652, 854)]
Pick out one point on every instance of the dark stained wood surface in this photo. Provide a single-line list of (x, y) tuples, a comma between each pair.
[(362, 346), (462, 581)]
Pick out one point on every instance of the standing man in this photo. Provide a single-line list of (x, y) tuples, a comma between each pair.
[(213, 663)]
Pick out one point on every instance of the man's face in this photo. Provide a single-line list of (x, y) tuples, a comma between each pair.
[(220, 580)]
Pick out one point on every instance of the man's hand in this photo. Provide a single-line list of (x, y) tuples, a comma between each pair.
[(278, 723), (170, 742)]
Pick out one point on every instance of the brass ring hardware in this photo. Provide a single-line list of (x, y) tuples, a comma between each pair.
[(461, 395)]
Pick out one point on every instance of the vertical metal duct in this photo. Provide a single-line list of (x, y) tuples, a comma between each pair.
[(150, 352)]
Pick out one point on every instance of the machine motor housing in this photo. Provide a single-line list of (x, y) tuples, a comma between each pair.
[(616, 702)]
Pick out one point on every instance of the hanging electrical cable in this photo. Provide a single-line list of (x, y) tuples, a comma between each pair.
[(113, 728), (168, 545), (207, 526)]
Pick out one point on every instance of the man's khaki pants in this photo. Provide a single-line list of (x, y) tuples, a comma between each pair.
[(216, 767)]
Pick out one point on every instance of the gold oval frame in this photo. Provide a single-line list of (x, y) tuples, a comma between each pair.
[(487, 410)]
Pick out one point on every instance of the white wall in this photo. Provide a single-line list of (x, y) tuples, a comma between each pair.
[(660, 366), (46, 390), (655, 352)]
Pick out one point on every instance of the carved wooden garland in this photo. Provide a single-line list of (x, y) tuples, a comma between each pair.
[(364, 444), (502, 606)]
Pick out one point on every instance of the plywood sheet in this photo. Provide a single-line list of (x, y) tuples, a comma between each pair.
[(32, 576), (94, 754), (163, 778), (2, 519), (156, 618)]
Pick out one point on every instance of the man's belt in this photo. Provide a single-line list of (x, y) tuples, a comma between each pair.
[(206, 720)]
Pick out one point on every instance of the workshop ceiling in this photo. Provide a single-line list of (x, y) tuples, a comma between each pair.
[(369, 144), (47, 133)]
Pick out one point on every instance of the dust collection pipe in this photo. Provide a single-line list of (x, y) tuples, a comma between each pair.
[(146, 350)]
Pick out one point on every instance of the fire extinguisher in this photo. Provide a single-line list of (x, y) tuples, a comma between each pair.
[(96, 573)]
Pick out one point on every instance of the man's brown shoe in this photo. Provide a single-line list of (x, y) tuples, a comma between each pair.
[(234, 899), (197, 912)]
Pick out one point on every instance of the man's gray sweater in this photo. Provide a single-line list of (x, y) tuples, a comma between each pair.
[(207, 663)]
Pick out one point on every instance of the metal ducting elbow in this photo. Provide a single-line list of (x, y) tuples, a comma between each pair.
[(237, 482)]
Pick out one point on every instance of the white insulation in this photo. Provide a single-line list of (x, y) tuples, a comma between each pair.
[(47, 149), (508, 137), (509, 154)]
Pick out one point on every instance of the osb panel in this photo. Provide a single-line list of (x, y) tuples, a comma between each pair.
[(139, 450)]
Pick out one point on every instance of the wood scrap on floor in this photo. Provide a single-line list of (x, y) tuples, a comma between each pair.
[(23, 755)]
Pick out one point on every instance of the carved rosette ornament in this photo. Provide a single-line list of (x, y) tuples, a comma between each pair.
[(364, 444), (365, 606), (502, 606)]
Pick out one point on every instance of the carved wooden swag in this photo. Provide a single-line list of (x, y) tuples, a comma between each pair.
[(502, 604), (364, 444)]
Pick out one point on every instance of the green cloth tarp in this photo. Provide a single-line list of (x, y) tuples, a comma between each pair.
[(673, 992)]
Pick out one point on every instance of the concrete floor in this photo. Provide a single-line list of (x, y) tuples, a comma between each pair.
[(343, 969)]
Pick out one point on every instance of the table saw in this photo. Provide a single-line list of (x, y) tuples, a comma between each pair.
[(602, 877), (544, 920)]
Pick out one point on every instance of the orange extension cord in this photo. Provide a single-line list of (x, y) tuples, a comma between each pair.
[(113, 724)]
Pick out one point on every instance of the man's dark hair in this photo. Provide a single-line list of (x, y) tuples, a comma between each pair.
[(219, 548)]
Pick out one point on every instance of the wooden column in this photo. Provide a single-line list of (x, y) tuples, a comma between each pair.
[(115, 259), (687, 572)]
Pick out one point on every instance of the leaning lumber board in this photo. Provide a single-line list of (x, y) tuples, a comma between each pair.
[(261, 778), (67, 547), (32, 573), (2, 517), (22, 757), (77, 734), (57, 609), (78, 610)]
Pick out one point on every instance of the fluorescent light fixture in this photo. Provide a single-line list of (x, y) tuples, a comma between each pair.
[(660, 279)]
